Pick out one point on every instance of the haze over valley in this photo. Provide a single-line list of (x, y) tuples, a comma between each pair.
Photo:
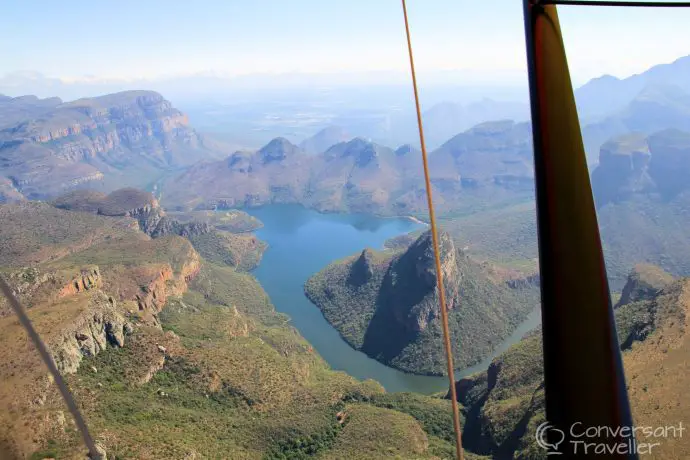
[(226, 248)]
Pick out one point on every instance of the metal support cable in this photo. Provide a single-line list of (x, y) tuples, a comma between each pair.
[(437, 256)]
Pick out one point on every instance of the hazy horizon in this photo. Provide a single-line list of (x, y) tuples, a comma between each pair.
[(273, 43)]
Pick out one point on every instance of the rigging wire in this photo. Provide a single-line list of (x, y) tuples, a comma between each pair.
[(94, 454), (437, 256)]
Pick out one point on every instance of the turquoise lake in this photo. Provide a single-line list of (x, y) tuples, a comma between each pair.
[(302, 242)]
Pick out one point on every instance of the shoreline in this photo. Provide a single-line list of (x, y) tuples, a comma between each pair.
[(414, 219), (246, 208)]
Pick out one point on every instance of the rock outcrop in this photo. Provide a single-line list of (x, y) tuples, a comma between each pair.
[(386, 304), (670, 165), (524, 281), (148, 217), (33, 285), (89, 140), (415, 283), (623, 169), (99, 325), (100, 321), (168, 226), (86, 280), (636, 165), (504, 405), (362, 270), (126, 202), (644, 283), (136, 204), (153, 295)]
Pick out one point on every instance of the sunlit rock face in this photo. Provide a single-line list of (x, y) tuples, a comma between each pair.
[(50, 148)]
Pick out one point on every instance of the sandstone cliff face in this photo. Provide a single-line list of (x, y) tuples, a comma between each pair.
[(417, 268), (33, 285), (100, 321), (136, 204), (504, 405), (99, 325), (154, 294), (623, 169), (149, 217), (670, 165), (84, 281), (106, 123), (638, 165), (91, 139), (86, 316)]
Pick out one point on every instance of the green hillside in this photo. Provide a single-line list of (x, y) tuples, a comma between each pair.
[(385, 304)]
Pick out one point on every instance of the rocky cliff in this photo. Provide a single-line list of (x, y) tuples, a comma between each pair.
[(98, 326), (644, 283), (386, 304), (642, 194), (623, 169), (96, 319), (122, 135), (504, 405), (91, 289), (33, 285), (132, 203), (639, 166), (651, 106)]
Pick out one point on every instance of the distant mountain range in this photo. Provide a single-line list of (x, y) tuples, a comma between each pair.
[(608, 94), (654, 108), (361, 175), (324, 139), (138, 138), (444, 120), (47, 146)]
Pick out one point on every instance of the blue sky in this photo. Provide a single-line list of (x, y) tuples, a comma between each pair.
[(151, 38)]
